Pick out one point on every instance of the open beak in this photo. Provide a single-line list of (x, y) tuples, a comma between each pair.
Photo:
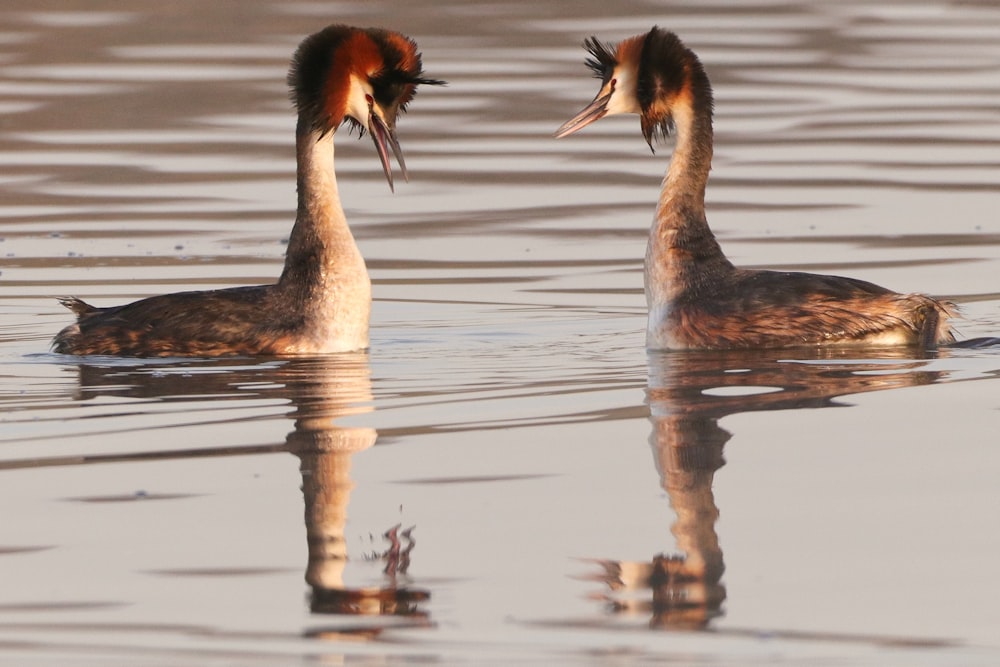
[(385, 139), (594, 111)]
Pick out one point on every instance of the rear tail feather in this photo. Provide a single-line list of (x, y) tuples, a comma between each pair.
[(78, 306)]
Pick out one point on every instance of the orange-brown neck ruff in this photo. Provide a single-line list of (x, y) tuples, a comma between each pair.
[(357, 56), (629, 52)]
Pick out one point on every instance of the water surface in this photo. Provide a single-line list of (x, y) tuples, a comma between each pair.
[(510, 476)]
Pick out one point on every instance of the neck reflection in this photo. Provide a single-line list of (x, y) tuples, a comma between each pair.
[(324, 392), (325, 451), (688, 393)]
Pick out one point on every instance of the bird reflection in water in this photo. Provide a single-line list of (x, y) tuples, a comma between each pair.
[(688, 393), (323, 391), (325, 451)]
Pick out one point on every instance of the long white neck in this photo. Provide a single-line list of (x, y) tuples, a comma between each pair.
[(324, 269)]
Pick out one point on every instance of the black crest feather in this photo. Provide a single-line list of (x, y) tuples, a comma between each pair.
[(602, 60), (396, 83)]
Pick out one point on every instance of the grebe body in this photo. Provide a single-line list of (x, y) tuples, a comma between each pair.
[(696, 298), (322, 301)]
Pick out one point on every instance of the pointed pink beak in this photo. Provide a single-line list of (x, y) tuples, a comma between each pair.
[(385, 139), (593, 111)]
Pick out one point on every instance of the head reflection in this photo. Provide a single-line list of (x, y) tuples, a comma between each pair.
[(323, 391), (687, 395)]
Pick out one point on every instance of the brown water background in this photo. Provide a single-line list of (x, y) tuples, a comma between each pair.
[(541, 467)]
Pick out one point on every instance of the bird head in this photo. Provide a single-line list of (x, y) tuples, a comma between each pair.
[(652, 74), (362, 76)]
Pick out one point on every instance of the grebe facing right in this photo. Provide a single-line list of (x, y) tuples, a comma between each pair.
[(697, 299), (321, 302)]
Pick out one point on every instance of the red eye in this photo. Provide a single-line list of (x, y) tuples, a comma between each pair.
[(369, 99)]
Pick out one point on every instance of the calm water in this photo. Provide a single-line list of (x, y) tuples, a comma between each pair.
[(511, 477)]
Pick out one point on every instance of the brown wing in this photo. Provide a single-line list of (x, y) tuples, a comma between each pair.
[(785, 309), (210, 323)]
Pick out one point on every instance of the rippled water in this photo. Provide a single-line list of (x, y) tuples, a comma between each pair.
[(511, 477)]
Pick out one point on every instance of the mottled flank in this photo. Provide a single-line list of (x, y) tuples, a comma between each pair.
[(239, 321), (759, 309)]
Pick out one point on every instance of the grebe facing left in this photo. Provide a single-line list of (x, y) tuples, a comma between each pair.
[(322, 301), (697, 299)]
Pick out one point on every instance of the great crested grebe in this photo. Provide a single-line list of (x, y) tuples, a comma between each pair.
[(322, 301), (697, 299)]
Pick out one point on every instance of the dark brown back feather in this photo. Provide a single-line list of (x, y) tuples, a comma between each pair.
[(209, 323)]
